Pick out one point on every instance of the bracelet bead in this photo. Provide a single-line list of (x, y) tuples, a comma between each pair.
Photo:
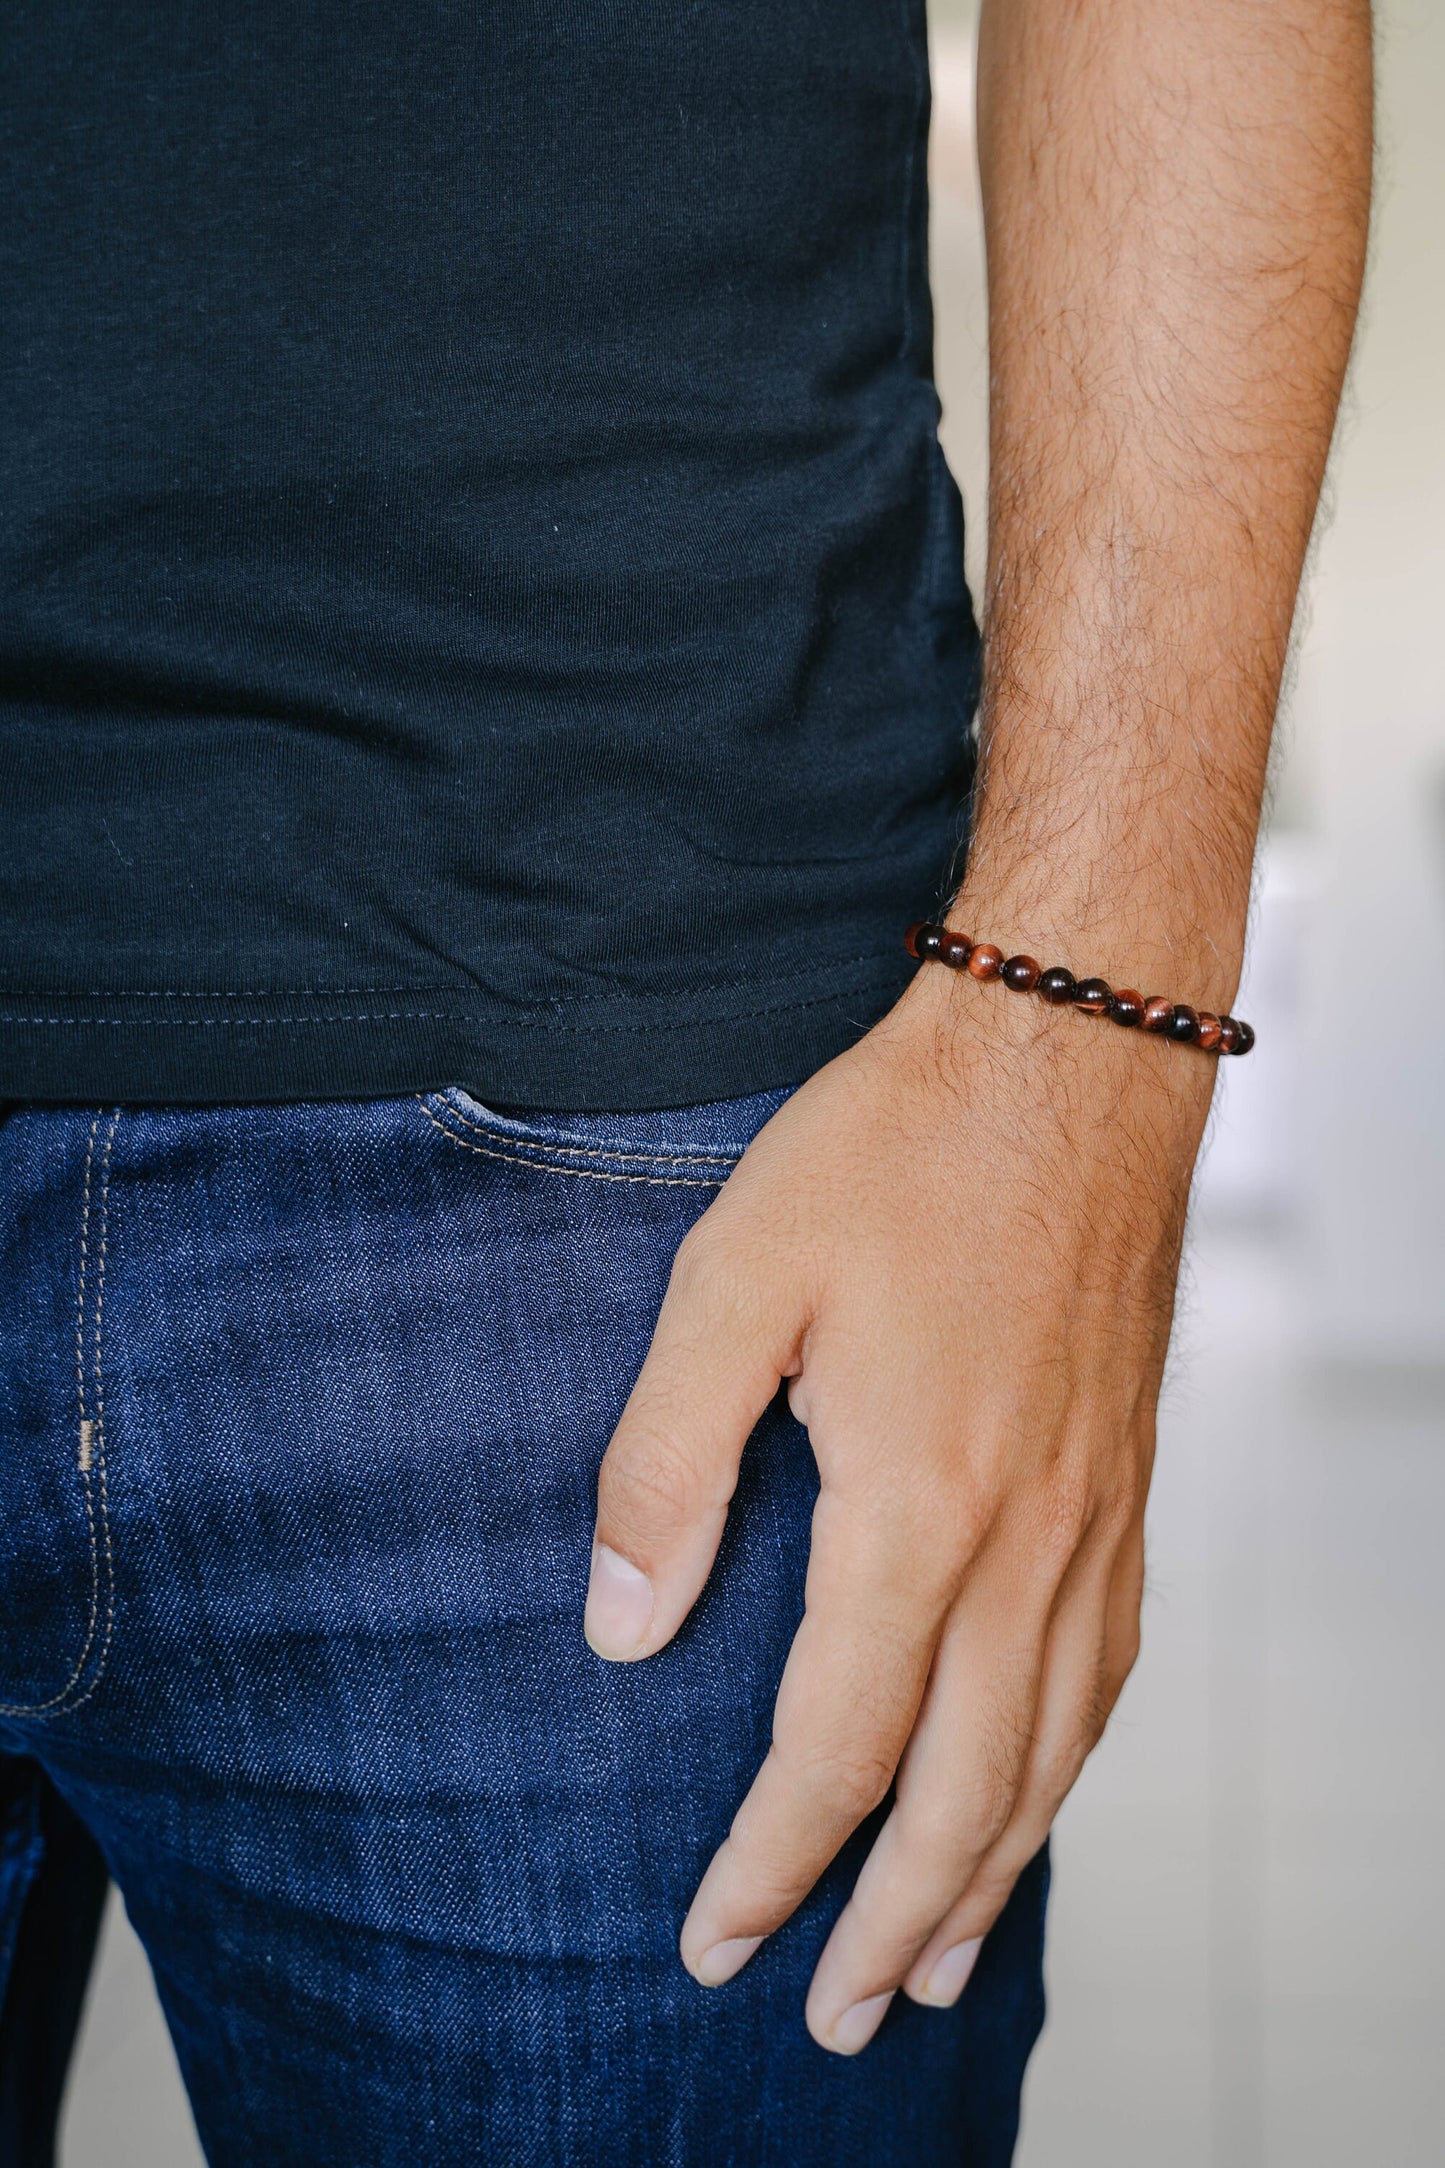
[(1096, 997), (1057, 984)]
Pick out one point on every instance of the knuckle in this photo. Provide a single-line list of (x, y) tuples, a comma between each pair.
[(949, 1523), (1115, 1511), (957, 1824), (775, 1876), (989, 1890), (709, 1259), (891, 1931), (995, 1798), (1008, 1748), (859, 1780), (1079, 1506), (692, 1261), (720, 1282), (843, 1781), (646, 1484), (1068, 1508), (966, 1814)]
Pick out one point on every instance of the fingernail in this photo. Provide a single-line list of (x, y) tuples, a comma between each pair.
[(619, 1605), (856, 2027), (949, 1976), (724, 1959)]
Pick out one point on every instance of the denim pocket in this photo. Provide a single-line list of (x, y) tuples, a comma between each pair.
[(57, 1565), (681, 1147)]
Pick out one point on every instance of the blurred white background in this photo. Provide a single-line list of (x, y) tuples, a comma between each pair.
[(1247, 1958)]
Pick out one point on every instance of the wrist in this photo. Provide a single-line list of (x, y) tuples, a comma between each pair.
[(1189, 949), (1068, 1073)]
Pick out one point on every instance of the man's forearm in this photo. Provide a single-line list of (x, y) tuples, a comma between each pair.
[(1176, 202), (959, 1246)]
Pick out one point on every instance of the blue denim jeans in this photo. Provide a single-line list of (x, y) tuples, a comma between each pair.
[(302, 1412)]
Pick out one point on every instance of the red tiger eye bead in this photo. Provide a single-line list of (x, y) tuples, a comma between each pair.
[(1126, 1005)]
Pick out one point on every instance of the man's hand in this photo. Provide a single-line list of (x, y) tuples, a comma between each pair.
[(959, 1241)]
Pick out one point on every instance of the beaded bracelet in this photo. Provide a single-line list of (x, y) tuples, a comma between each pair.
[(1157, 1013)]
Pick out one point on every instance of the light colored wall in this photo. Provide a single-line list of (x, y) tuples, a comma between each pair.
[(1370, 721)]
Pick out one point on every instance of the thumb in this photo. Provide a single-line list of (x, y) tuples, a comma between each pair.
[(721, 1344)]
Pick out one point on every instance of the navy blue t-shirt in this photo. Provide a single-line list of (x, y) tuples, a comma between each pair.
[(481, 598)]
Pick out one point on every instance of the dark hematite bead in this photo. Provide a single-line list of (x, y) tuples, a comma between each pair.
[(1183, 1024), (1057, 984), (1093, 995), (930, 941), (1021, 973), (1158, 1010), (1207, 1035), (956, 950), (986, 962), (1127, 1005), (1245, 1039), (1228, 1035)]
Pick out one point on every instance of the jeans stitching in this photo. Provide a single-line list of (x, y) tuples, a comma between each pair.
[(58, 1703), (99, 1670), (578, 1174), (591, 1151)]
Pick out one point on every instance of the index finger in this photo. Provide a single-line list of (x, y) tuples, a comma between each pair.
[(849, 1695)]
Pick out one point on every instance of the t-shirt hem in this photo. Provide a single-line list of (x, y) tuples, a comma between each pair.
[(381, 1043)]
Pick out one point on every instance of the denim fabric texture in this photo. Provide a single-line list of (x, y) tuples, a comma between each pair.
[(301, 1409)]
